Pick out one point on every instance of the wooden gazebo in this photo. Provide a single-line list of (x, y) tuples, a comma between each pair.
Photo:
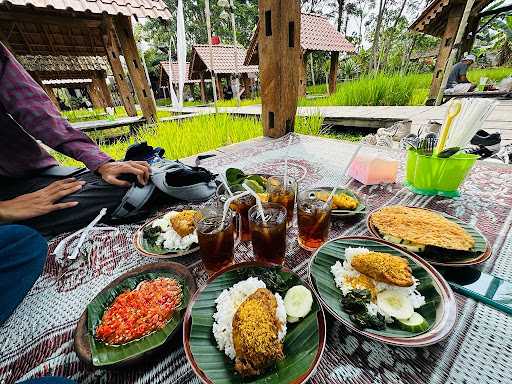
[(317, 34), (442, 18), (223, 65), (164, 78), (85, 28), (88, 72)]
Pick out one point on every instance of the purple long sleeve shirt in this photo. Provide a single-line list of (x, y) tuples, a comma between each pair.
[(38, 119)]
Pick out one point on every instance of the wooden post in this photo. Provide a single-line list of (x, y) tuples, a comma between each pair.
[(95, 96), (111, 45), (47, 88), (303, 81), (247, 82), (451, 58), (333, 71), (136, 68), (220, 91), (312, 68), (454, 17), (279, 56), (100, 81), (202, 86)]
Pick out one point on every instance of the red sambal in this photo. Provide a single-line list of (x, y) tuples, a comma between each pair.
[(134, 314)]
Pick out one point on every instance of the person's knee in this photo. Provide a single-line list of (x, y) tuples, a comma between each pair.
[(23, 243)]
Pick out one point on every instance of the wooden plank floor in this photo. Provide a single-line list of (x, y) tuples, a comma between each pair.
[(499, 120)]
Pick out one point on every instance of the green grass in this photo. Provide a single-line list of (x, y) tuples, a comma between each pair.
[(80, 115), (385, 89), (204, 133)]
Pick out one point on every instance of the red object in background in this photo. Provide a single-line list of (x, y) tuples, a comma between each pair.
[(215, 40)]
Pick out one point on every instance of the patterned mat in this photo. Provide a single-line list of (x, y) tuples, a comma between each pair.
[(38, 339)]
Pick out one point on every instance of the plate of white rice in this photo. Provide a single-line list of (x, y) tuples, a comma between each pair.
[(333, 277)]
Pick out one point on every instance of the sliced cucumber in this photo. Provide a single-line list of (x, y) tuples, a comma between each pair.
[(298, 301), (416, 323), (409, 245), (292, 319), (395, 304)]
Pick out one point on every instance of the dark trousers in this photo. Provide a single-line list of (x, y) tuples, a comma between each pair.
[(93, 196), (22, 257)]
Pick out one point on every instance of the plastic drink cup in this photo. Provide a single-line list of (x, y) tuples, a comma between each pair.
[(314, 220), (269, 238), (283, 194), (242, 206), (216, 242)]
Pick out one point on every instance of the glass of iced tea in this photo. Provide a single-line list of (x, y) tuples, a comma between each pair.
[(242, 206), (216, 241), (268, 238), (314, 220), (283, 194)]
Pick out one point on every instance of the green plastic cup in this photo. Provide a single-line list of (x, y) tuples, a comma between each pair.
[(430, 175)]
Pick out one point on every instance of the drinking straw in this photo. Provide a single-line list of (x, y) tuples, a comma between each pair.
[(285, 179), (226, 207), (258, 202), (342, 176), (86, 231)]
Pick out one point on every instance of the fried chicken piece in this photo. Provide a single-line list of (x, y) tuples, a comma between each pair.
[(184, 223), (255, 334), (384, 267)]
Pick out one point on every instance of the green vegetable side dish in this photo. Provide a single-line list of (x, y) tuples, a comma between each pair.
[(236, 177), (351, 308), (104, 354), (301, 343)]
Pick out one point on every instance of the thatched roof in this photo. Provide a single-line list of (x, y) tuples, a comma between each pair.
[(223, 60), (42, 63), (316, 34)]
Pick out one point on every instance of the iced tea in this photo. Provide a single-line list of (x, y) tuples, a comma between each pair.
[(283, 194), (314, 219), (242, 206), (216, 242), (268, 238)]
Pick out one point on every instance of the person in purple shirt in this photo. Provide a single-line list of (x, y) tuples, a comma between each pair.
[(34, 191)]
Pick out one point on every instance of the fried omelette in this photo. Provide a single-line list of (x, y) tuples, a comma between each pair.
[(384, 267), (184, 222), (255, 334), (423, 227)]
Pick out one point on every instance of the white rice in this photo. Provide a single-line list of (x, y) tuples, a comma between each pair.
[(227, 305), (341, 272), (169, 238)]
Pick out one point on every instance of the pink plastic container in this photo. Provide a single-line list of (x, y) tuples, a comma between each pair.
[(375, 168)]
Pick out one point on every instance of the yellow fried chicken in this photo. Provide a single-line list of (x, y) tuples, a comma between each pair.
[(184, 222), (339, 200), (384, 267), (255, 334)]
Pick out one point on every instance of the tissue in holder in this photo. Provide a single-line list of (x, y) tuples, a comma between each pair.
[(373, 168)]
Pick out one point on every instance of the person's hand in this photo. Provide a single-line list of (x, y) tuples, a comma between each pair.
[(111, 171), (41, 202)]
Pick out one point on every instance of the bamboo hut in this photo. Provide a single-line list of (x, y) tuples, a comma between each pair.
[(67, 28), (317, 35)]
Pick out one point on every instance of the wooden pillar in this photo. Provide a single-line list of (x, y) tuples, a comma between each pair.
[(220, 91), (47, 88), (95, 96), (111, 45), (100, 81), (203, 88), (454, 17), (303, 80), (333, 71), (469, 36), (247, 82), (136, 68), (279, 56)]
